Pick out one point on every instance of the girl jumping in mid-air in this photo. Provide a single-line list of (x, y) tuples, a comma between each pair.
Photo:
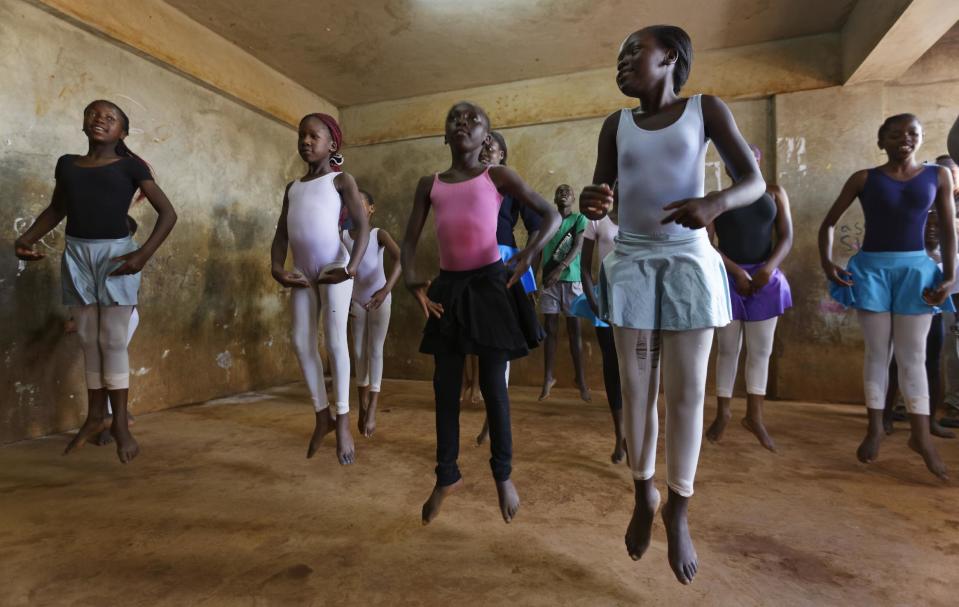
[(100, 270), (322, 278), (370, 311), (474, 306), (663, 288), (892, 282)]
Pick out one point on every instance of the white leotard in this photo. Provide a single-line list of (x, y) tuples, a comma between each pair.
[(312, 223), (658, 167), (370, 276)]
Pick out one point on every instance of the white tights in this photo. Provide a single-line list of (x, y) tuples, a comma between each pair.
[(685, 356), (759, 347), (904, 334), (369, 335), (103, 332), (331, 304)]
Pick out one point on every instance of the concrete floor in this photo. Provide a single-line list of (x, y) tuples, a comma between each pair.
[(221, 508)]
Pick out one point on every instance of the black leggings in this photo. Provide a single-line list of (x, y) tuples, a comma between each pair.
[(447, 383), (934, 341), (607, 347)]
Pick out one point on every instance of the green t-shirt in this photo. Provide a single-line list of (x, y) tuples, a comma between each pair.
[(559, 245)]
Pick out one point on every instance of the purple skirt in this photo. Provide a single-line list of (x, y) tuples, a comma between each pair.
[(769, 302)]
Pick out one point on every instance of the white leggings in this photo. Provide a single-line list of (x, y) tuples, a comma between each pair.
[(685, 356), (104, 332), (369, 335), (759, 347), (331, 304), (904, 334)]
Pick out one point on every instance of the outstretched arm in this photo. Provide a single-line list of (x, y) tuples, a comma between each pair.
[(350, 195), (784, 238), (946, 209), (383, 238), (45, 222), (748, 184), (596, 200), (166, 219), (848, 194), (414, 228), (508, 181)]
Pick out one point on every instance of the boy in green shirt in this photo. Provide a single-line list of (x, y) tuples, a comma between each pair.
[(561, 285)]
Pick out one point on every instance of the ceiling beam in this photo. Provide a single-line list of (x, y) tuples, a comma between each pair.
[(757, 70), (167, 36), (883, 39)]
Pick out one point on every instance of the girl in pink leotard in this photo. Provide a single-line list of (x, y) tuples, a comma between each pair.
[(322, 275), (474, 306)]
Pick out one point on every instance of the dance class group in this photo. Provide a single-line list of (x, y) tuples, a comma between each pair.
[(658, 265)]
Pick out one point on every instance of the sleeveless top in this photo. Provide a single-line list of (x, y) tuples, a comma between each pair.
[(658, 167), (312, 224), (370, 276), (896, 211), (466, 215), (746, 234)]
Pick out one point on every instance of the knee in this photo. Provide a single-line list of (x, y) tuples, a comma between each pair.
[(112, 341), (302, 344)]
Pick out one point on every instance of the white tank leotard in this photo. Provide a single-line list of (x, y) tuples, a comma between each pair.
[(312, 223), (370, 276)]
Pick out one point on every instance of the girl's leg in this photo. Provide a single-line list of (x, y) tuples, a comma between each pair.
[(730, 342), (576, 351), (551, 325), (378, 326), (614, 395), (305, 337), (334, 312), (87, 319), (909, 336), (492, 374), (934, 374), (114, 337), (685, 360), (638, 355), (759, 347), (360, 325), (877, 335), (447, 383), (105, 437)]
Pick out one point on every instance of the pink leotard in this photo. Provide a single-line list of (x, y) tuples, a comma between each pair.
[(312, 223), (370, 276), (466, 215)]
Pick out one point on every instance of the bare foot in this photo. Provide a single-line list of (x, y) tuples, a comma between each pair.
[(369, 417), (584, 392), (757, 428), (324, 425), (103, 438), (546, 388), (345, 452), (640, 529), (887, 425), (431, 508), (91, 428), (683, 559), (508, 499), (868, 450), (715, 432), (936, 429), (484, 433), (619, 451), (931, 457), (127, 446)]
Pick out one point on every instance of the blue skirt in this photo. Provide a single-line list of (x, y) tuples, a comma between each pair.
[(528, 279), (580, 308), (673, 283), (890, 281), (85, 273)]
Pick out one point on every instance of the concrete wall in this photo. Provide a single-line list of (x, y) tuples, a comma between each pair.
[(814, 140), (213, 321)]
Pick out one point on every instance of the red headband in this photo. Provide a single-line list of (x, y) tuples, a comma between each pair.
[(336, 158)]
